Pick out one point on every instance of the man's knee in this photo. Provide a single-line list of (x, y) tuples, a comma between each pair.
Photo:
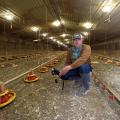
[(85, 68)]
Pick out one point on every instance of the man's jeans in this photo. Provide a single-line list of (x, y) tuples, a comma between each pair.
[(84, 71)]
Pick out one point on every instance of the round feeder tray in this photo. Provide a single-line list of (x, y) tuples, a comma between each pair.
[(55, 61), (5, 92), (109, 61), (14, 65), (31, 78), (43, 70), (50, 65), (7, 97), (29, 81), (118, 64)]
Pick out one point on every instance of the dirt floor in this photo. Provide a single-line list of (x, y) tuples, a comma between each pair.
[(45, 100)]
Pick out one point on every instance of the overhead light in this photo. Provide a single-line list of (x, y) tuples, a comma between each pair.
[(88, 25), (54, 40), (35, 40), (51, 37), (44, 34), (107, 9), (8, 15), (61, 43), (65, 45), (35, 29), (58, 41), (56, 23), (85, 33), (109, 6), (63, 35), (68, 42)]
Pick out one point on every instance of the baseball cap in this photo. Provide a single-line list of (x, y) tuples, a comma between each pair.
[(76, 36)]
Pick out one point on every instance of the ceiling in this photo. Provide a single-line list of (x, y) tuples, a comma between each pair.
[(74, 13)]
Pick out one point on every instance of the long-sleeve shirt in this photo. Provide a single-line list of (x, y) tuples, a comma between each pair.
[(83, 59)]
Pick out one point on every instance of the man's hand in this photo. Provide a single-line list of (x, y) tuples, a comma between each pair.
[(65, 70)]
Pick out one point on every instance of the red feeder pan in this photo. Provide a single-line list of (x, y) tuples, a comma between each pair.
[(50, 65), (31, 77), (43, 70), (118, 64), (109, 61), (55, 61), (7, 97), (111, 97), (103, 87)]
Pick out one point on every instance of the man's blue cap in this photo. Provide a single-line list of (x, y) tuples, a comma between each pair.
[(76, 36)]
